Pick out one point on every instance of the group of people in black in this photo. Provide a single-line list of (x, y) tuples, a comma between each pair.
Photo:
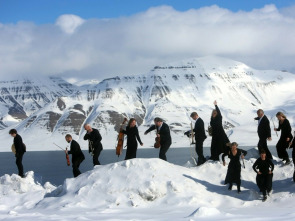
[(220, 144)]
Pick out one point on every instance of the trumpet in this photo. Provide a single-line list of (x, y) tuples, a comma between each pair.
[(192, 134)]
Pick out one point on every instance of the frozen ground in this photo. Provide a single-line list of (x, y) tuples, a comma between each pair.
[(146, 189)]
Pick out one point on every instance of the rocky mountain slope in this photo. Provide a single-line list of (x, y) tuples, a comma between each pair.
[(44, 110)]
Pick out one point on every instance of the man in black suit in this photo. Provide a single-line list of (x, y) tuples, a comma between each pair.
[(77, 154), (94, 142), (163, 132), (264, 133), (19, 151), (200, 136)]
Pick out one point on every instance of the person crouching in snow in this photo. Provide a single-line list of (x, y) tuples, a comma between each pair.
[(234, 167), (264, 168)]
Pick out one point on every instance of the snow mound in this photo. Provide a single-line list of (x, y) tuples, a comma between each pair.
[(25, 192), (131, 183)]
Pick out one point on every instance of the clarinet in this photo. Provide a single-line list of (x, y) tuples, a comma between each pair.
[(91, 147)]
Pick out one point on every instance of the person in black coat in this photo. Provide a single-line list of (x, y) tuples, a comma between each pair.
[(286, 137), (132, 138), (233, 174), (163, 132), (264, 169), (219, 137), (264, 132), (200, 136), (94, 142), (19, 151), (77, 154)]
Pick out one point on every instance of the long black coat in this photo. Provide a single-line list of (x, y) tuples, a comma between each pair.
[(96, 138), (199, 130), (165, 137), (219, 137), (132, 135), (233, 174), (263, 129), (75, 150), (286, 130)]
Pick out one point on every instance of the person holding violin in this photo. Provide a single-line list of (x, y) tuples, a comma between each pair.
[(163, 135), (94, 142), (77, 154), (132, 138), (286, 137)]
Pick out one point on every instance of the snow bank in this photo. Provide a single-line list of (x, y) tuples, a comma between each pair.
[(148, 189)]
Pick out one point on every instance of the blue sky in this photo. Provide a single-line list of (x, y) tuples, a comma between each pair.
[(47, 11), (98, 39)]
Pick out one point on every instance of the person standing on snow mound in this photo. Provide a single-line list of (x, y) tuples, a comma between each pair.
[(264, 133), (233, 174), (264, 169), (77, 154), (94, 142), (286, 137), (163, 132), (20, 149), (219, 137), (132, 138)]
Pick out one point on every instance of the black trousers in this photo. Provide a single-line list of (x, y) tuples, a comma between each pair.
[(163, 149), (282, 149), (262, 144), (293, 157), (199, 150), (75, 164), (264, 182), (19, 164), (96, 156)]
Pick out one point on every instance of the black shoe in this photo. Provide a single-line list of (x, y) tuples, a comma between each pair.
[(264, 198), (239, 191), (287, 161)]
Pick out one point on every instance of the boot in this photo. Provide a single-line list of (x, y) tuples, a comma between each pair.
[(239, 188)]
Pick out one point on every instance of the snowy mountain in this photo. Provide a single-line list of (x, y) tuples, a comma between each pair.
[(43, 111)]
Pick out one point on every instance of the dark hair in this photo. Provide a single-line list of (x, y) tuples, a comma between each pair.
[(260, 110), (281, 114), (193, 114), (13, 131), (130, 121), (157, 119), (69, 136), (234, 144), (262, 151)]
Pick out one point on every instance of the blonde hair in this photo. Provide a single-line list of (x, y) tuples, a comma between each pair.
[(281, 114)]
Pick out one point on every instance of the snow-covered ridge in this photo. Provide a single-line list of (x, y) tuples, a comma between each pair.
[(148, 189), (50, 108)]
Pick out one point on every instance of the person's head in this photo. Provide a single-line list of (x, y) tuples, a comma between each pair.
[(68, 138), (158, 121), (194, 115), (214, 113), (132, 122), (281, 116), (13, 132), (87, 127), (260, 113), (234, 146), (263, 154)]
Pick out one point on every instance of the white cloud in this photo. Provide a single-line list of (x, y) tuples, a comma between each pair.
[(100, 48), (69, 23)]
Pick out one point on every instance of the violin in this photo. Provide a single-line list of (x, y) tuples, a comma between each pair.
[(157, 142), (119, 148)]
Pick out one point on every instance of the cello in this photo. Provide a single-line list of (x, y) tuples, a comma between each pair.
[(120, 139)]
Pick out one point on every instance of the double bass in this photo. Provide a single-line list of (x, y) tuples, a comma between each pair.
[(119, 148)]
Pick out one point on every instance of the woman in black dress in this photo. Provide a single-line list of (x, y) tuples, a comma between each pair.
[(286, 137), (219, 137), (132, 138), (233, 174)]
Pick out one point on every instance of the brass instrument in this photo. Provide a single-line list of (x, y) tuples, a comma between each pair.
[(192, 134), (90, 143)]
